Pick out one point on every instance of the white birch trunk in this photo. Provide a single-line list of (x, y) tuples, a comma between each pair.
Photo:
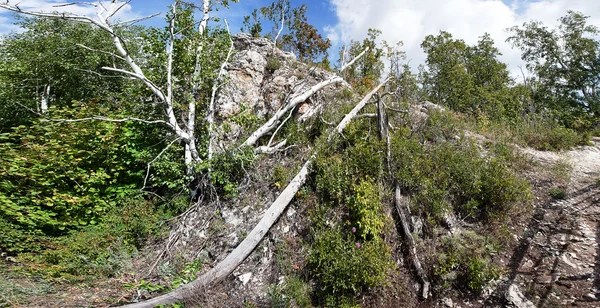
[(45, 99), (359, 107), (245, 248), (272, 122)]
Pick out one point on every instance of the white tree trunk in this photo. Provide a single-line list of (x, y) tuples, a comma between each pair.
[(271, 124), (412, 249), (243, 250), (359, 107), (45, 99)]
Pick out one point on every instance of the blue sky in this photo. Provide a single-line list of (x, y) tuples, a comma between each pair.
[(408, 21)]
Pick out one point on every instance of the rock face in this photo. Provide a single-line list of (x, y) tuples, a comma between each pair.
[(259, 78)]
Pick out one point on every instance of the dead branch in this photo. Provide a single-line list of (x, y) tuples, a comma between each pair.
[(245, 248), (155, 158), (100, 118), (354, 60), (412, 249), (270, 124), (367, 115), (297, 99), (359, 107), (279, 127)]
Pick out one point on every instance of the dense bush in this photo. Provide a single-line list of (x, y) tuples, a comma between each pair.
[(345, 266), (454, 176), (366, 210), (100, 250)]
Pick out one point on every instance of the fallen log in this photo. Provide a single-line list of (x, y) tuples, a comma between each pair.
[(243, 250), (412, 247)]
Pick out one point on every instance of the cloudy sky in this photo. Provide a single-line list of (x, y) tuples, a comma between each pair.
[(400, 20)]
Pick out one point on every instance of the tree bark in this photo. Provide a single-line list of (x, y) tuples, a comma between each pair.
[(243, 250), (412, 249), (270, 125)]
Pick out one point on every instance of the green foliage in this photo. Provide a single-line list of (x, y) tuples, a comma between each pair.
[(447, 176), (188, 274), (558, 193), (297, 34), (465, 261), (73, 171), (468, 79), (546, 135), (366, 71), (344, 266), (46, 54), (565, 61), (336, 173), (294, 292), (102, 250), (16, 239), (366, 210), (273, 64), (228, 168)]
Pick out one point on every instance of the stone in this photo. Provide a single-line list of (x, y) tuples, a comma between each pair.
[(516, 298), (448, 302), (245, 278)]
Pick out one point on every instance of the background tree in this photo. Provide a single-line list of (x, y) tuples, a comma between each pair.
[(566, 62), (290, 29), (50, 63), (367, 71), (465, 78)]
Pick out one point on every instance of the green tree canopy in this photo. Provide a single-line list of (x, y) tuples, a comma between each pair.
[(466, 78), (566, 61)]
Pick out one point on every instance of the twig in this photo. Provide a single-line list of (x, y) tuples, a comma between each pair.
[(279, 127)]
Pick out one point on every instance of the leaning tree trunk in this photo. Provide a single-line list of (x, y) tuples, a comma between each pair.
[(243, 250)]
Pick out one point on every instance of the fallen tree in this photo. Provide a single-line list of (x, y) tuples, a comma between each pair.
[(245, 248), (293, 102)]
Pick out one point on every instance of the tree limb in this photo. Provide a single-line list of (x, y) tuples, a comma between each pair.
[(359, 107), (245, 248), (269, 125), (412, 249), (354, 60)]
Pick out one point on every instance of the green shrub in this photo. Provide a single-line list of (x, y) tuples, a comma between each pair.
[(16, 239), (101, 250), (228, 169), (273, 64), (547, 135), (294, 292), (465, 261), (366, 210), (558, 193), (344, 266), (453, 176)]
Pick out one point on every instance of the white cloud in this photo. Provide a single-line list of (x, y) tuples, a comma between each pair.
[(6, 22), (411, 20)]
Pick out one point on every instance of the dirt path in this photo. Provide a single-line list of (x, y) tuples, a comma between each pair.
[(557, 260)]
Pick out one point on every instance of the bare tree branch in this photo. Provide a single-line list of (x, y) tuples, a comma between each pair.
[(133, 21), (112, 54), (280, 126), (101, 118), (359, 107), (270, 124), (354, 60)]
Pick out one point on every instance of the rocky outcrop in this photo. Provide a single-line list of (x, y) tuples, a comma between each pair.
[(259, 79)]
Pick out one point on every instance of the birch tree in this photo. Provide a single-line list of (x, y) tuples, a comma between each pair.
[(184, 69)]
